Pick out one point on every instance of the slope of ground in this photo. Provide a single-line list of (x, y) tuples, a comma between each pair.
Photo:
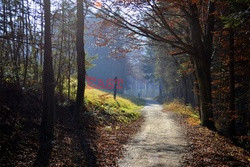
[(112, 123), (121, 109), (20, 119), (205, 147)]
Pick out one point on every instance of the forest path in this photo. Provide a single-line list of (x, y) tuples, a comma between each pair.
[(159, 143)]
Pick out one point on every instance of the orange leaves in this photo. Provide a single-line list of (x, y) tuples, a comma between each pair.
[(208, 148), (175, 52), (98, 4), (194, 1), (102, 42)]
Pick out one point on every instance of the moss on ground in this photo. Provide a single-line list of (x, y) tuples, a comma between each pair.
[(122, 109)]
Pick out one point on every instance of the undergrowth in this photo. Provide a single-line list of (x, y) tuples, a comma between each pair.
[(123, 109), (188, 111)]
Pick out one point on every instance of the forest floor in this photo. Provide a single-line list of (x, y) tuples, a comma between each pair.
[(97, 141), (102, 139), (206, 147), (20, 119)]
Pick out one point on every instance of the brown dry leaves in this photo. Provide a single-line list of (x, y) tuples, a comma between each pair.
[(208, 148), (109, 144)]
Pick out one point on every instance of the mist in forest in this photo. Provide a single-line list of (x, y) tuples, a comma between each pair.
[(127, 68)]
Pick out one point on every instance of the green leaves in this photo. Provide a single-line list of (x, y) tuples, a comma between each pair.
[(234, 20), (239, 13)]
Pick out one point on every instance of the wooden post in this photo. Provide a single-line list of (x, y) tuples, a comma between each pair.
[(115, 87)]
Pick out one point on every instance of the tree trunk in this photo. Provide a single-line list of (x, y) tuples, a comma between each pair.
[(184, 91), (69, 68), (1, 76), (203, 74), (26, 62), (160, 89), (60, 63), (197, 93), (231, 72), (115, 88), (41, 51), (231, 82), (80, 61), (36, 65), (48, 80), (202, 51)]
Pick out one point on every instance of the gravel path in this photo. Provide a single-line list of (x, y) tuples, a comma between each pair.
[(160, 142)]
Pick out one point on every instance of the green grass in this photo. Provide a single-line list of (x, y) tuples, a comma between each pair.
[(179, 107), (123, 109)]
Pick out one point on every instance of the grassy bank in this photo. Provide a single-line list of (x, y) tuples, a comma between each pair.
[(187, 111), (107, 124), (123, 109), (110, 123)]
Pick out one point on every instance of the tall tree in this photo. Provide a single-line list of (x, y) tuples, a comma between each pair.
[(80, 61), (185, 26), (231, 79), (202, 48), (48, 79)]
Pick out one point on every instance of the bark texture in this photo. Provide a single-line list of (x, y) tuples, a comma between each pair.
[(80, 61), (48, 79)]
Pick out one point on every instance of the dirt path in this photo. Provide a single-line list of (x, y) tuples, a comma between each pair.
[(160, 142)]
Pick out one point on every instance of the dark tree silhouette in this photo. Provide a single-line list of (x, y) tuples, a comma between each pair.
[(80, 61), (48, 79)]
